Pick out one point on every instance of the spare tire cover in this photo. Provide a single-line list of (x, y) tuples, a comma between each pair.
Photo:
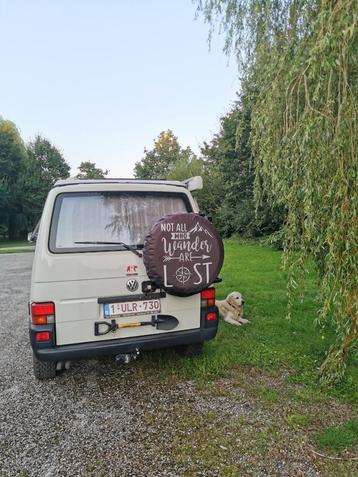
[(183, 253)]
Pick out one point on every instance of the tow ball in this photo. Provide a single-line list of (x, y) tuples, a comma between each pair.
[(125, 358)]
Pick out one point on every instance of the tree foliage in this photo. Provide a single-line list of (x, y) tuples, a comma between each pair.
[(12, 155), (157, 162), (42, 167), (230, 157), (27, 173), (48, 160), (227, 167), (210, 197), (302, 57), (88, 170)]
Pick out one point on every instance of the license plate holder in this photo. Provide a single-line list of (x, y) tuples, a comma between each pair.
[(130, 308)]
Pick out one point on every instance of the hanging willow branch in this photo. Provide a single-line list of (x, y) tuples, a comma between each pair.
[(302, 55)]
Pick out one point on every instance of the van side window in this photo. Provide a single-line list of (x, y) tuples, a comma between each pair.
[(108, 217)]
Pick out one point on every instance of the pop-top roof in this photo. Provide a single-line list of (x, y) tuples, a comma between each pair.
[(193, 183), (73, 181)]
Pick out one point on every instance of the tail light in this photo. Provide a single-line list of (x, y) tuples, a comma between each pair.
[(208, 297), (208, 309), (211, 316), (43, 336), (42, 313)]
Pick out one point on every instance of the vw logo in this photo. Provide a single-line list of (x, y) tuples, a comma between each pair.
[(132, 285)]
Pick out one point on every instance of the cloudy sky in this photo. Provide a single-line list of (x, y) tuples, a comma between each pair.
[(102, 78)]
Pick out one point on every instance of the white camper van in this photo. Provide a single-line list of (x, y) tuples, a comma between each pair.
[(120, 266)]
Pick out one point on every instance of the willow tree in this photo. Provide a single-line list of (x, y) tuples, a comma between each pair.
[(302, 56)]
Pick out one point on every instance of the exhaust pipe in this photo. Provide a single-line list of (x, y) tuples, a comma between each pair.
[(63, 365)]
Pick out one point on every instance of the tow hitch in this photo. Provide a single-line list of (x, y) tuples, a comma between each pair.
[(126, 358)]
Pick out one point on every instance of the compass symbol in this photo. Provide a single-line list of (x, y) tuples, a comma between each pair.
[(182, 274)]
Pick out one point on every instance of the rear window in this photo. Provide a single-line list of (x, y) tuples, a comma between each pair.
[(108, 217)]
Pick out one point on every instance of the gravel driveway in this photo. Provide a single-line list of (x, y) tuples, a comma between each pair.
[(96, 419), (89, 421), (101, 420)]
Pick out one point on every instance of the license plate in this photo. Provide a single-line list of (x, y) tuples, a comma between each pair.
[(127, 308)]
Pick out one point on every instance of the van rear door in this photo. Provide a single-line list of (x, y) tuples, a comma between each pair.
[(91, 277)]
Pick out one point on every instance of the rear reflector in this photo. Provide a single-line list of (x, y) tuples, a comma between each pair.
[(43, 336), (42, 309), (211, 316)]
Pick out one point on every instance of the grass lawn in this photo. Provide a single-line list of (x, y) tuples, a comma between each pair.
[(270, 341), (16, 250), (7, 246), (13, 243), (275, 363)]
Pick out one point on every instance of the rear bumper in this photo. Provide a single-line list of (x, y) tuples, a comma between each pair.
[(123, 345)]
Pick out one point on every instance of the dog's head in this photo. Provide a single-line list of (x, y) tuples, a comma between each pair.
[(235, 299)]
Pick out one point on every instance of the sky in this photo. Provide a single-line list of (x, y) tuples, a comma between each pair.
[(102, 78)]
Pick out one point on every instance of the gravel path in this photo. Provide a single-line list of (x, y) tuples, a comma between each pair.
[(101, 420)]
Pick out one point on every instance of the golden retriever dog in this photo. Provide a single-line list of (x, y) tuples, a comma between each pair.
[(232, 309)]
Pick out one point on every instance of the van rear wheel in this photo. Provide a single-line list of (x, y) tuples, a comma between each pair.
[(187, 351), (44, 369)]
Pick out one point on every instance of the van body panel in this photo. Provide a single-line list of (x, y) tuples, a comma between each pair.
[(75, 267), (70, 330), (75, 281), (77, 309)]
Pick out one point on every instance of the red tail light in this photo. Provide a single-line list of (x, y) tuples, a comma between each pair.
[(42, 313), (43, 336), (211, 316), (208, 293), (208, 297), (38, 309)]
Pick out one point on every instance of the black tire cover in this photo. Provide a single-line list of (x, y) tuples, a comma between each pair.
[(183, 253)]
